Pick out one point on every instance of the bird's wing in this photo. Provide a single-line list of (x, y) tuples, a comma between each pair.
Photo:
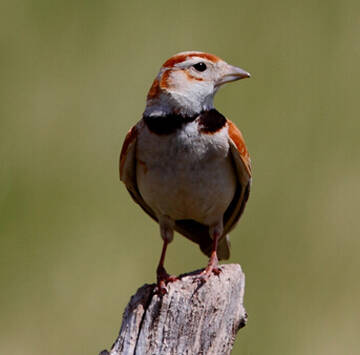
[(127, 167), (242, 163)]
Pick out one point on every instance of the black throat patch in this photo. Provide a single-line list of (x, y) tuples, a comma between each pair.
[(166, 124), (209, 122)]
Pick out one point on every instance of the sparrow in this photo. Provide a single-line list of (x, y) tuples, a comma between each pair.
[(184, 163)]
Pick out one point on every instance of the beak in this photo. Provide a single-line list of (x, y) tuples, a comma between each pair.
[(231, 74)]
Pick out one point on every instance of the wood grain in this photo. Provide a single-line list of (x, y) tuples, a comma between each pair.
[(189, 319)]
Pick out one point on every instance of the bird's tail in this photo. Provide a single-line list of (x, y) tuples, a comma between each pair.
[(223, 250), (199, 234)]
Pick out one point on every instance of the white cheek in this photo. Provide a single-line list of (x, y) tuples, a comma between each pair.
[(192, 95)]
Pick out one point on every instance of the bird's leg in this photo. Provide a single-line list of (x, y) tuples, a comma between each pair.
[(167, 234), (162, 276), (213, 265)]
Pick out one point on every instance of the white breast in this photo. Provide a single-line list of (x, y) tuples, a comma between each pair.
[(186, 175)]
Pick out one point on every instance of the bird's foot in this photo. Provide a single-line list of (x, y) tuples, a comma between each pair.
[(212, 268), (163, 278), (205, 275)]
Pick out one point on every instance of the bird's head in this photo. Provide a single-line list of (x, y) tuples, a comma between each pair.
[(187, 82)]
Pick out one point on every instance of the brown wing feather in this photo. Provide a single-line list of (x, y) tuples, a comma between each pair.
[(242, 163), (237, 138), (127, 167), (128, 146)]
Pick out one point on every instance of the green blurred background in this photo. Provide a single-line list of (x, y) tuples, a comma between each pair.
[(73, 245)]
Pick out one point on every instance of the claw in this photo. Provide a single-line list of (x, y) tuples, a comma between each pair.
[(212, 268), (205, 275), (163, 278), (160, 289)]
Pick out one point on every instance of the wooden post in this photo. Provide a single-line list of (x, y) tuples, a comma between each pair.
[(189, 319)]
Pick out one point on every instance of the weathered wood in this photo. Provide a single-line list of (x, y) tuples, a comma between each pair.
[(189, 319)]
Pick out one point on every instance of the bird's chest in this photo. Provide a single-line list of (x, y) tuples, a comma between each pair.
[(185, 174)]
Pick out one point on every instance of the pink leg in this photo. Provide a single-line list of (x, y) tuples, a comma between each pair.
[(163, 278), (213, 265)]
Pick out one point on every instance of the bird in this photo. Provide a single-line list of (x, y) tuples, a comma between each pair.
[(184, 163)]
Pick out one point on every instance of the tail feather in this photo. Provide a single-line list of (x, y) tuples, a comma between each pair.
[(199, 233), (223, 249)]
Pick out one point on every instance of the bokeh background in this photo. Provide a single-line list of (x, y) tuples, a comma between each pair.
[(73, 245)]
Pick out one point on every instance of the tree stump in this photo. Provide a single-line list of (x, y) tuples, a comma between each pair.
[(191, 318)]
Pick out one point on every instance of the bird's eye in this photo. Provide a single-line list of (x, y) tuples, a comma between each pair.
[(201, 66)]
